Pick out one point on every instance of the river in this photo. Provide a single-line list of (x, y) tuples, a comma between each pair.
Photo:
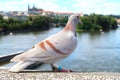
[(95, 52)]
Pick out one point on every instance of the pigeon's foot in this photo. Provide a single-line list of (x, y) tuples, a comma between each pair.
[(63, 70), (59, 69)]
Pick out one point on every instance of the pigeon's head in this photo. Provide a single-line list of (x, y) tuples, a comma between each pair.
[(75, 18)]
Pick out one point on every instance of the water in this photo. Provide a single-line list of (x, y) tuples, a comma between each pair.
[(96, 52)]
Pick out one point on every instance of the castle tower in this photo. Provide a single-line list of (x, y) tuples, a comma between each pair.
[(28, 8)]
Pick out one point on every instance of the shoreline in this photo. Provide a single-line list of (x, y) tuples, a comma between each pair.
[(38, 75), (20, 31)]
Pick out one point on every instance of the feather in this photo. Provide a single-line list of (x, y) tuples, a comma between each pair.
[(20, 66)]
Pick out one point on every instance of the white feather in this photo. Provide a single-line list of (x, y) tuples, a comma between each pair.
[(20, 66)]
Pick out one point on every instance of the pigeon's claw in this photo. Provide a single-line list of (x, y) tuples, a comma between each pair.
[(59, 69), (63, 70)]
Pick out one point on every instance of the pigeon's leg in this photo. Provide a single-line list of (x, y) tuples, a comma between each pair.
[(57, 68)]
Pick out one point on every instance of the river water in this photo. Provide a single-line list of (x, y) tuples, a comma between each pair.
[(95, 52)]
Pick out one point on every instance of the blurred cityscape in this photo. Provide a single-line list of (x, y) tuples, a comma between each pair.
[(34, 11)]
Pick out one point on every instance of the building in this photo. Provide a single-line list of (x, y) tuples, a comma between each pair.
[(23, 15), (62, 14), (16, 15), (39, 11), (118, 21), (34, 10)]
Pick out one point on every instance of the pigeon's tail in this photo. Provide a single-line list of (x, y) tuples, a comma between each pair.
[(20, 66)]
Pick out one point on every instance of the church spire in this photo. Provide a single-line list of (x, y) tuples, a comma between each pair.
[(28, 7)]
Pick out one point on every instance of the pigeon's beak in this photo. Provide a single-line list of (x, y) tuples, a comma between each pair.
[(80, 22)]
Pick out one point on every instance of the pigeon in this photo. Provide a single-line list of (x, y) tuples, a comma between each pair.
[(50, 50)]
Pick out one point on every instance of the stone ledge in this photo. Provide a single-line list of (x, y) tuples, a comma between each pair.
[(40, 75)]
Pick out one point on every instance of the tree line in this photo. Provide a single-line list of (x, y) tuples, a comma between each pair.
[(94, 22), (89, 22), (33, 23)]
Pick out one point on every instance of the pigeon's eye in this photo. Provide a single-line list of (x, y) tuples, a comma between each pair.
[(77, 17)]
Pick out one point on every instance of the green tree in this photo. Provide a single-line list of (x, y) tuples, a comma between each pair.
[(40, 22), (1, 17), (113, 23), (97, 22)]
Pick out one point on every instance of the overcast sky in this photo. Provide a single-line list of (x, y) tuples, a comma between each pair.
[(75, 6)]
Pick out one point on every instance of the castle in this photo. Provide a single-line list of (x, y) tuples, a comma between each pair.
[(34, 10), (39, 11)]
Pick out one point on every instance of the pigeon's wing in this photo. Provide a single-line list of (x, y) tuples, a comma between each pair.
[(51, 49), (31, 55), (40, 52)]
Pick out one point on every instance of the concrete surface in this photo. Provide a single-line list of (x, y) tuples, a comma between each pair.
[(38, 75)]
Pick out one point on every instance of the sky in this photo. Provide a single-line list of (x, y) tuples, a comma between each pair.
[(75, 6)]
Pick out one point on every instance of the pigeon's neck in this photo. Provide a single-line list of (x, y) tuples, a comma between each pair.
[(70, 26)]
